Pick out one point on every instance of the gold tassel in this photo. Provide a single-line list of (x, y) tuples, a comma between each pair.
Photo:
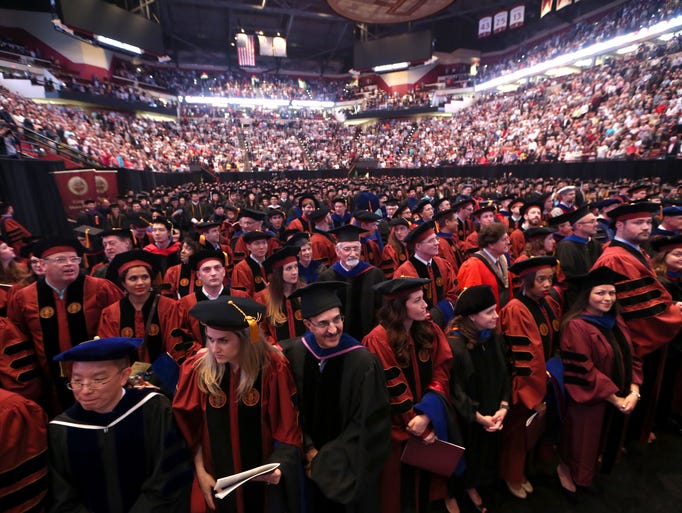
[(87, 238), (254, 332)]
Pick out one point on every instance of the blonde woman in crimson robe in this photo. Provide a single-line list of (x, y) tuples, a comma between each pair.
[(234, 407), (416, 359)]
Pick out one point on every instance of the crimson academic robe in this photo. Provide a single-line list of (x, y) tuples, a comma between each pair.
[(241, 252), (291, 328), (324, 247), (371, 253), (23, 454), (131, 460), (392, 259), (58, 324), (653, 321), (596, 365), (235, 434), (15, 232), (160, 339), (182, 279), (441, 294), (344, 414), (646, 305), (428, 371), (517, 243), (19, 370), (531, 330), (168, 257), (449, 249), (475, 272), (249, 277)]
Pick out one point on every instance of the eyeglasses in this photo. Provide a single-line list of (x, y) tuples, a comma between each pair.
[(95, 384), (350, 249), (323, 325), (593, 221), (63, 260)]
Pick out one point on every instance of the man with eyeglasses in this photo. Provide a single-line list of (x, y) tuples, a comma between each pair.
[(343, 405), (360, 301), (651, 314), (117, 449), (578, 252), (60, 310), (441, 292)]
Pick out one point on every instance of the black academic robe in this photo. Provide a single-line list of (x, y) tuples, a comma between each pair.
[(479, 381), (345, 415), (131, 460), (360, 301)]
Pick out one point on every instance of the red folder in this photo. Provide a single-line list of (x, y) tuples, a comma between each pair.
[(438, 458)]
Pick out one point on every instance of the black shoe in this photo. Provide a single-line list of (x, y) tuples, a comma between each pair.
[(592, 490)]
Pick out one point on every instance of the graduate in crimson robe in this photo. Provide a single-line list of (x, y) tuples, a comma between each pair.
[(210, 270), (416, 359), (283, 318), (647, 307), (19, 370), (181, 278), (234, 405), (248, 276), (395, 251), (602, 375), (440, 292), (530, 323), (143, 313), (23, 454), (117, 449), (59, 311)]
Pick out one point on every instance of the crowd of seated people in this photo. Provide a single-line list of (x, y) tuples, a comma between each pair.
[(627, 18), (624, 108), (9, 45), (234, 83)]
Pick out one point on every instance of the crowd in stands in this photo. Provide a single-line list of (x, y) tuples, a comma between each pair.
[(622, 108), (7, 44), (629, 17), (234, 83)]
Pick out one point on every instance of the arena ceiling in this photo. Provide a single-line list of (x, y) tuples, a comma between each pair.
[(319, 39)]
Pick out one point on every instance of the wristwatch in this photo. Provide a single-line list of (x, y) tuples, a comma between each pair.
[(634, 392)]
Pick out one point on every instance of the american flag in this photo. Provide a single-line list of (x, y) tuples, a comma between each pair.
[(246, 50)]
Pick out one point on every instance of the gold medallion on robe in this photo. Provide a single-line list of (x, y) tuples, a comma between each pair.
[(424, 355), (46, 312), (198, 283), (555, 325), (154, 329), (127, 332), (544, 329), (74, 307), (439, 281), (298, 315), (258, 279), (217, 400), (184, 282), (251, 398), (402, 257)]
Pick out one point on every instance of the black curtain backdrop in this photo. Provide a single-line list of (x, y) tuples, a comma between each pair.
[(668, 170), (31, 189)]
